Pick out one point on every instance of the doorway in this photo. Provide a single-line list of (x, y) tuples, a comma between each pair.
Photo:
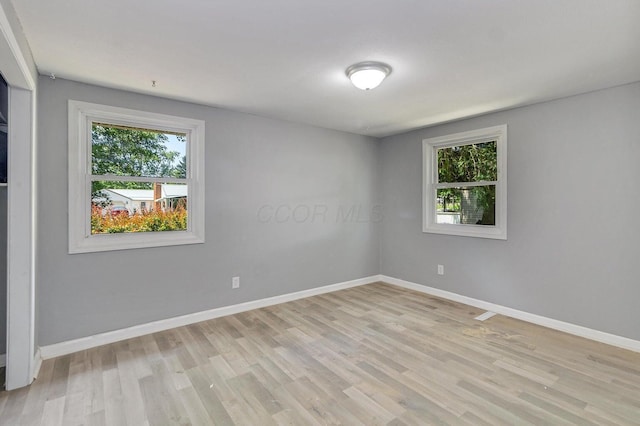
[(4, 109), (20, 74)]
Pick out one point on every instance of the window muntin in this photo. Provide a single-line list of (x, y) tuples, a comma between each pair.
[(133, 176), (465, 183)]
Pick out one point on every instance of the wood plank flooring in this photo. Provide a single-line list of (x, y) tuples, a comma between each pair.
[(370, 355)]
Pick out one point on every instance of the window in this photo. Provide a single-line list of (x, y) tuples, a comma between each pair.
[(136, 179), (465, 184)]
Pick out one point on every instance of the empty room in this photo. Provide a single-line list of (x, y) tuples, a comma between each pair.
[(309, 213)]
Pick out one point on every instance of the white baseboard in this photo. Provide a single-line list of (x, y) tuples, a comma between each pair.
[(577, 330), (3, 360), (37, 363), (71, 346)]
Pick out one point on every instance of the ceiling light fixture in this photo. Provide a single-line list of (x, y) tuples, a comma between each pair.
[(368, 75)]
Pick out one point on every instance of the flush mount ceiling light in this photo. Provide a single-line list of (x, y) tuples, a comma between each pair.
[(368, 75)]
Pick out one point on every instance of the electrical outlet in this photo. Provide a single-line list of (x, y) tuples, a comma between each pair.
[(440, 269), (235, 282)]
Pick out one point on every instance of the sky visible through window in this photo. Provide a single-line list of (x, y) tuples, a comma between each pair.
[(176, 145)]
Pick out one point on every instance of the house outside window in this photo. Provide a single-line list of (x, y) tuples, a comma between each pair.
[(136, 179), (465, 184)]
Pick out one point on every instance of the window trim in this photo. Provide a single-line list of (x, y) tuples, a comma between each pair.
[(430, 180), (81, 115)]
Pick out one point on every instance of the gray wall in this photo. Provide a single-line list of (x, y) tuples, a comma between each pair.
[(571, 248), (250, 162), (573, 214)]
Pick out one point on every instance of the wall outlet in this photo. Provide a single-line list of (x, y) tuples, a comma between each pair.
[(440, 269), (235, 282)]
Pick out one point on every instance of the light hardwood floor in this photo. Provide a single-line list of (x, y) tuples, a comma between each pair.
[(370, 355)]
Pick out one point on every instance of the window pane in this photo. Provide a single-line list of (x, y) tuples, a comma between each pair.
[(126, 151), (467, 205), (119, 207), (468, 163)]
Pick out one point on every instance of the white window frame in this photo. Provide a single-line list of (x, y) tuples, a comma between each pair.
[(430, 183), (81, 117)]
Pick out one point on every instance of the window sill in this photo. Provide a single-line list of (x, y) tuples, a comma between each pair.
[(110, 242), (478, 231)]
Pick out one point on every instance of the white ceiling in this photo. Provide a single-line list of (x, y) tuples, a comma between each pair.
[(286, 58)]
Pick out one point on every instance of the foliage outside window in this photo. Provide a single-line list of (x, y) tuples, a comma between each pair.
[(135, 179), (117, 206), (465, 183)]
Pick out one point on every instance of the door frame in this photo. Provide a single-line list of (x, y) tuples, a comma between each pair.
[(22, 360)]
